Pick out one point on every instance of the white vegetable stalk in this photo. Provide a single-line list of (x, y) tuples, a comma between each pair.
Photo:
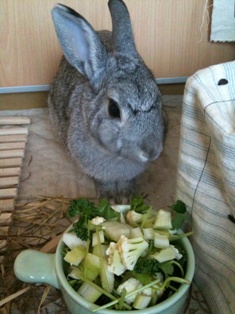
[(148, 233), (71, 240), (163, 220), (165, 255), (161, 241), (88, 292), (95, 238)]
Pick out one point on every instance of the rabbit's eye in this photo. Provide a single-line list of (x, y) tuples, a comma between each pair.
[(113, 109)]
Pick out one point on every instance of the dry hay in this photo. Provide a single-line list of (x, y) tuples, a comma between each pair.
[(37, 224)]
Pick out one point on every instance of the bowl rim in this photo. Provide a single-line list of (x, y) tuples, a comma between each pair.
[(66, 288)]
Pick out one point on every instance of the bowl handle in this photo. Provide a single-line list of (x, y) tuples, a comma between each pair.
[(35, 267)]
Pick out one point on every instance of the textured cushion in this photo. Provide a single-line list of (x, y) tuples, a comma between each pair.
[(206, 180)]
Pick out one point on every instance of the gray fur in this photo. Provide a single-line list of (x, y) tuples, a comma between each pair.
[(100, 66)]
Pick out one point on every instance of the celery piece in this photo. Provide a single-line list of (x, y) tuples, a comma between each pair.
[(136, 233), (76, 255), (114, 229), (164, 255), (106, 277), (148, 233), (141, 301), (163, 220), (97, 247), (95, 240), (75, 273), (88, 292), (161, 241), (91, 265)]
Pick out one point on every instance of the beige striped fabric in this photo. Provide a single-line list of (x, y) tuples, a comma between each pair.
[(206, 180)]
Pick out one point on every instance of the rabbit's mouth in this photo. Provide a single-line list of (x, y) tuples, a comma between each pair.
[(143, 153), (141, 156), (147, 157)]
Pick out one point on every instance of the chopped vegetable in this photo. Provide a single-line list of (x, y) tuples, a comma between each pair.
[(71, 240), (114, 229), (130, 250), (95, 237), (133, 217), (91, 266), (76, 255), (89, 293), (166, 254), (163, 220), (125, 254), (115, 264), (161, 241), (130, 285), (143, 299)]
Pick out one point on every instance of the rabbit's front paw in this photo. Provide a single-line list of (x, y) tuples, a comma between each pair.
[(118, 192)]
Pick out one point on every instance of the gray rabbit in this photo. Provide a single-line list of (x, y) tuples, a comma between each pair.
[(105, 102)]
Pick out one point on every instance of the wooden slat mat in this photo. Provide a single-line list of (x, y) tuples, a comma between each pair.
[(13, 138)]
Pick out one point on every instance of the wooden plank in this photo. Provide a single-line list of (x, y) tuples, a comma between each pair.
[(11, 153), (11, 162), (14, 120), (12, 145), (5, 219), (8, 193), (10, 131), (10, 172), (7, 205), (9, 182), (50, 247), (13, 138)]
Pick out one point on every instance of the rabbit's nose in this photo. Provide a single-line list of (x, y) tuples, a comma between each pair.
[(150, 155)]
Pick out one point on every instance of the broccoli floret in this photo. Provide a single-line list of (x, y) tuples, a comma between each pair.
[(147, 266), (130, 250)]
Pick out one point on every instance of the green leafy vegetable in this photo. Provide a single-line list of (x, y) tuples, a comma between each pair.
[(138, 205), (81, 207), (167, 268), (86, 210), (179, 209), (80, 227), (105, 210)]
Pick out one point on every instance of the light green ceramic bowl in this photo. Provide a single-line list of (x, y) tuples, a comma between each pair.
[(36, 267)]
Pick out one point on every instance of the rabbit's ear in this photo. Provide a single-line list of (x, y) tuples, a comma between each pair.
[(123, 39), (80, 43)]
